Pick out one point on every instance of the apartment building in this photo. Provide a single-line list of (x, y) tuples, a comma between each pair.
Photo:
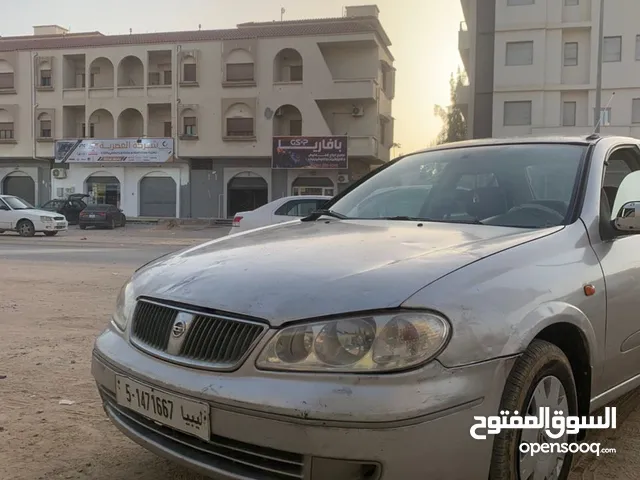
[(532, 66), (196, 124)]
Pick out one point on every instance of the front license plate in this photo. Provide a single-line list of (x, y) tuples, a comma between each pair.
[(165, 408)]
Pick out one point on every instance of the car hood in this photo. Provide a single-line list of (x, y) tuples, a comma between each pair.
[(39, 212), (303, 270)]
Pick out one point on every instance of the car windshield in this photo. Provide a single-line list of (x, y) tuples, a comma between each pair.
[(517, 185), (16, 203)]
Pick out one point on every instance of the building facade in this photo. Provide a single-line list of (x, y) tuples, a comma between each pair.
[(185, 124), (532, 66)]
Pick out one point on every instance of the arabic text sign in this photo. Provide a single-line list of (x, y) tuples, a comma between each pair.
[(554, 423), (120, 150), (310, 152)]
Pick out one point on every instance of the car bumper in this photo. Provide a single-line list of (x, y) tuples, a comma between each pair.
[(272, 426), (57, 226)]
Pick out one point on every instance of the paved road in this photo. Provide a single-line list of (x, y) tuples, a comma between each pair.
[(132, 255)]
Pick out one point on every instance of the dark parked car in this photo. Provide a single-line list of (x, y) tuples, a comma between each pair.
[(102, 215), (70, 208)]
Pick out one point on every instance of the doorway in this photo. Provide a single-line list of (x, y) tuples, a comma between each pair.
[(20, 185), (246, 192), (104, 190)]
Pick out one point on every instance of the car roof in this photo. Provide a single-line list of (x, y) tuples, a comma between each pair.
[(586, 140)]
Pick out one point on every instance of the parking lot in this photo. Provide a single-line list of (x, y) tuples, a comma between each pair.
[(55, 297)]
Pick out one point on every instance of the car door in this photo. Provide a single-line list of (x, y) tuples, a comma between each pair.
[(5, 216), (619, 257), (297, 208)]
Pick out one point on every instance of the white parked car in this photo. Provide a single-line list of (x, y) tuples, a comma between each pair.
[(20, 216), (282, 210)]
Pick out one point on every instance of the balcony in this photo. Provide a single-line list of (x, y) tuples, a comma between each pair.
[(463, 97), (350, 89), (464, 44), (466, 8), (363, 146)]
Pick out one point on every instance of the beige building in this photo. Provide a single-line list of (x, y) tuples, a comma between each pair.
[(533, 66), (183, 123)]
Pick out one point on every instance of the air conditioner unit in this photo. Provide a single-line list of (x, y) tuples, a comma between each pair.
[(357, 111), (59, 173), (343, 178)]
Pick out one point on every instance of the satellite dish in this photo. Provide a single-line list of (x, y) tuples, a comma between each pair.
[(268, 113)]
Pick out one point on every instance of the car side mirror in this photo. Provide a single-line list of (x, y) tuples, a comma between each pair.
[(628, 218)]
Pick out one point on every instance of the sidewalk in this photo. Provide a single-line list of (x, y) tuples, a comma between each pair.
[(133, 235)]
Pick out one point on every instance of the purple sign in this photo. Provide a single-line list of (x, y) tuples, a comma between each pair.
[(310, 152)]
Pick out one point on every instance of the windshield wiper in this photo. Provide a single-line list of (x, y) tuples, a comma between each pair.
[(403, 217), (324, 212)]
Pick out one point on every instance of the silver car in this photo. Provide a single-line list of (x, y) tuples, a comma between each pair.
[(356, 345)]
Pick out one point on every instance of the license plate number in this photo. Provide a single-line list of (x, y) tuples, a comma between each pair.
[(92, 216), (163, 407)]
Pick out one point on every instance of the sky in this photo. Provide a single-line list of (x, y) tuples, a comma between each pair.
[(424, 36)]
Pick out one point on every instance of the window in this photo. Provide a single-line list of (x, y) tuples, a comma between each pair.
[(295, 73), (571, 3), (569, 114), (45, 78), (92, 80), (515, 3), (190, 127), (519, 53), (612, 49), (570, 54), (167, 77), (45, 129), (92, 131), (189, 73), (6, 131), (517, 113), (298, 208), (154, 78), (80, 80), (635, 111), (6, 80), (240, 127), (239, 72), (295, 127), (167, 129)]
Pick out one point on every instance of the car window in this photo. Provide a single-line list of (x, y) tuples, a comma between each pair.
[(527, 185), (17, 203), (406, 201), (53, 204), (77, 204), (298, 208)]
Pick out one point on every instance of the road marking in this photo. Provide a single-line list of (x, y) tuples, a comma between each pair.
[(46, 251)]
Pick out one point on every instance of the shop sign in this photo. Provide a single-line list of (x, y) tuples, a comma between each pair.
[(310, 152), (119, 150)]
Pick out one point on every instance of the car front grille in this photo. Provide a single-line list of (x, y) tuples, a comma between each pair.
[(211, 341), (223, 454), (59, 219)]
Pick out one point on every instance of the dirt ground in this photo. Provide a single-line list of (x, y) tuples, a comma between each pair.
[(48, 328)]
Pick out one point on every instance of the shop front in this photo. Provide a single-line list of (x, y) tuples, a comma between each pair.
[(28, 179), (313, 164), (139, 176)]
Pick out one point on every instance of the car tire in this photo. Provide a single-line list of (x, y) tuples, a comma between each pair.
[(50, 234), (83, 227), (25, 228), (543, 365), (124, 221), (112, 224)]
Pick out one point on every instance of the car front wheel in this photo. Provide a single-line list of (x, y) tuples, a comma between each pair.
[(541, 377), (26, 229)]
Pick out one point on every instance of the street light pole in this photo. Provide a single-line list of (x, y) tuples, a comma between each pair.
[(598, 109)]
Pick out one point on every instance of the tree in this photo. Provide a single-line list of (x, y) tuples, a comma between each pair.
[(454, 125)]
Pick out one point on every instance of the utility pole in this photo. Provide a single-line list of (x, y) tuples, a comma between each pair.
[(598, 109)]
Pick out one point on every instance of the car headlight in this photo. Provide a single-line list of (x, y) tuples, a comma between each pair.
[(46, 219), (376, 343), (125, 304)]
